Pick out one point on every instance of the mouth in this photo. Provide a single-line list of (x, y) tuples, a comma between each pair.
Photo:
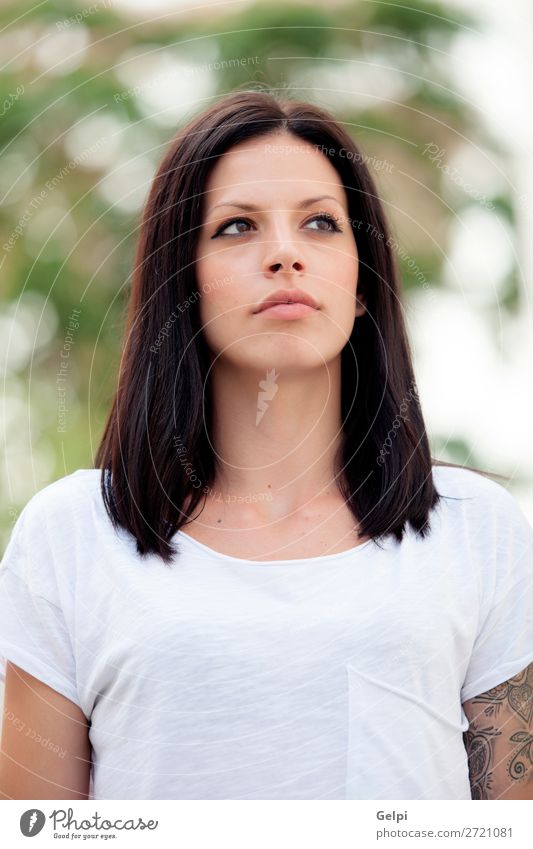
[(287, 310), (287, 303)]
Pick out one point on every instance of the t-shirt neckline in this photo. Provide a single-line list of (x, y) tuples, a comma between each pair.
[(321, 558)]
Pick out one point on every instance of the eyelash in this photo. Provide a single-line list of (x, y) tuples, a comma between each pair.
[(320, 217)]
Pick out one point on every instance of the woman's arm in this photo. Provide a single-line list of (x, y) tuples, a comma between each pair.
[(45, 747), (499, 741)]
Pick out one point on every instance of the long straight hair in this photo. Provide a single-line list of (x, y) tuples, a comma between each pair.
[(158, 427)]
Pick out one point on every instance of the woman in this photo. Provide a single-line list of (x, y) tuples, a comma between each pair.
[(266, 588)]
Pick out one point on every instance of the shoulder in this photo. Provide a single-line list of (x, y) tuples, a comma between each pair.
[(475, 491), (67, 498), (484, 514), (54, 529), (458, 482)]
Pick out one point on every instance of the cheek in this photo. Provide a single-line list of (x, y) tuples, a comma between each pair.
[(343, 274), (211, 307), (350, 267), (341, 265), (207, 268), (343, 304), (220, 311), (219, 283), (224, 290), (212, 321)]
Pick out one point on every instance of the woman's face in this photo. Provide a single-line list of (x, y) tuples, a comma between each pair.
[(275, 218)]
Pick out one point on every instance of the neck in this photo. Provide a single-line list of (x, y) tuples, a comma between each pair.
[(275, 434)]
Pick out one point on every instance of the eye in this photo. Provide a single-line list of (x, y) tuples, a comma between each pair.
[(323, 217), (328, 219), (230, 224)]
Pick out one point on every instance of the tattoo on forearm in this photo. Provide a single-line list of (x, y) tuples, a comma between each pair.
[(478, 744), (516, 696), (518, 766), (517, 692)]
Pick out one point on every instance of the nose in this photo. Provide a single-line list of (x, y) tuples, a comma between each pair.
[(283, 255), (286, 265)]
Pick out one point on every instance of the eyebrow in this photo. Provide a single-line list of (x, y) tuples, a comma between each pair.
[(252, 208)]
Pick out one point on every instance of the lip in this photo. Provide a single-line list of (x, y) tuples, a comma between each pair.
[(288, 311), (280, 298)]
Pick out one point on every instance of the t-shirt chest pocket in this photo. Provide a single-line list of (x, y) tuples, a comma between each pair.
[(398, 639)]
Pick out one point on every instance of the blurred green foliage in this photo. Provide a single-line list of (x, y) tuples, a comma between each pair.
[(79, 66)]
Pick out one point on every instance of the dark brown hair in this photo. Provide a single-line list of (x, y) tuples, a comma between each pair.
[(384, 471)]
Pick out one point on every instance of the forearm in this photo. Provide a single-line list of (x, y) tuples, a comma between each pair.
[(499, 746)]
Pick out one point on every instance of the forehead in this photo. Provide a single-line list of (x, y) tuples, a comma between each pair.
[(275, 166)]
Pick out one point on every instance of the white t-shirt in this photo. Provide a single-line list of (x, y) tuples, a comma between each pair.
[(333, 677)]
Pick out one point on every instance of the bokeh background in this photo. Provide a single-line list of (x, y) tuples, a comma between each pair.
[(438, 98)]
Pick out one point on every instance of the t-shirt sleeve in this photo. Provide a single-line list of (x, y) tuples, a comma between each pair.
[(504, 643), (33, 631)]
